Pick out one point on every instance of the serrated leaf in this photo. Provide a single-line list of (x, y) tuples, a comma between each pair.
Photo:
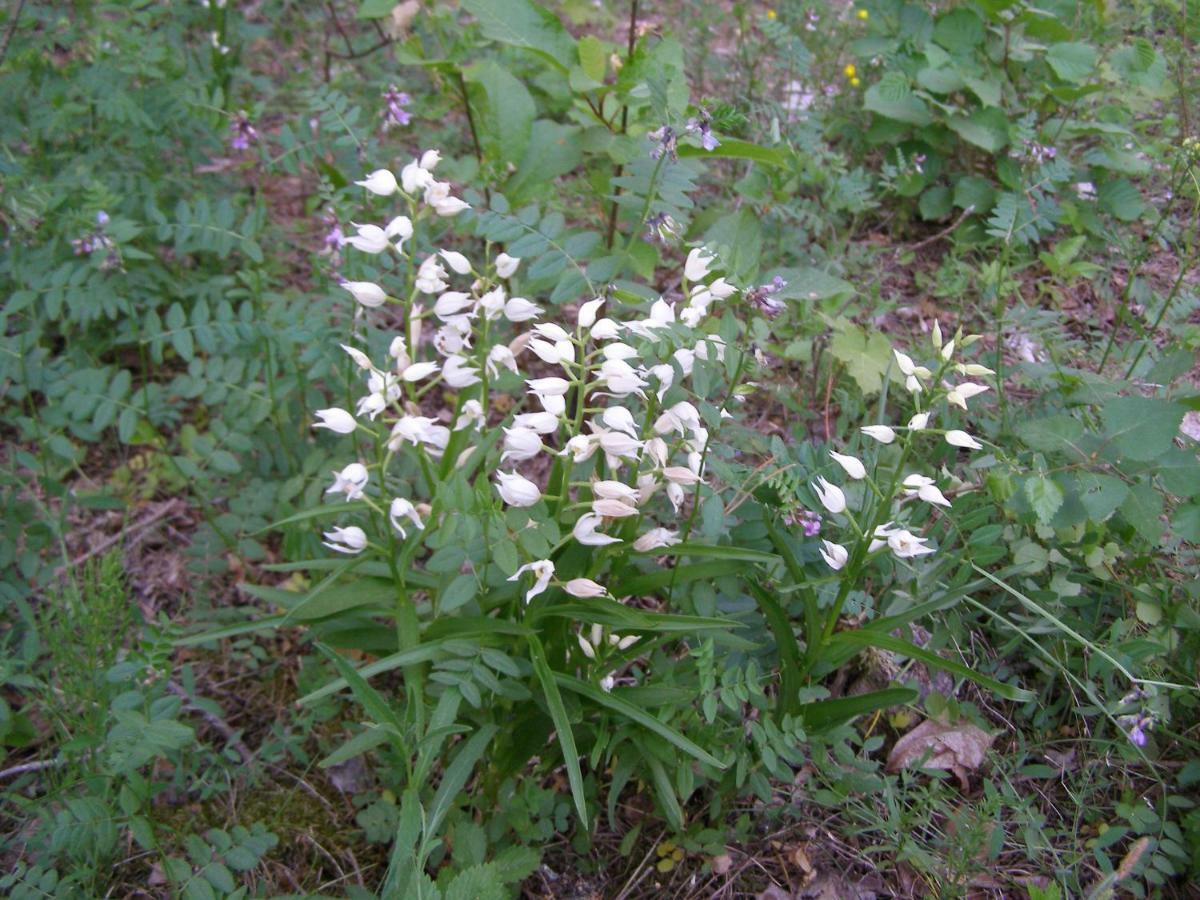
[(521, 23), (891, 98), (1141, 428), (1072, 61), (867, 357), (1044, 495)]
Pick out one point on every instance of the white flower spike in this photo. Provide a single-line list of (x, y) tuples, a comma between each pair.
[(830, 495), (957, 438), (542, 570), (336, 420), (834, 554), (852, 465), (881, 433)]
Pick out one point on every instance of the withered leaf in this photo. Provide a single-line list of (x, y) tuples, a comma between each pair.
[(959, 748)]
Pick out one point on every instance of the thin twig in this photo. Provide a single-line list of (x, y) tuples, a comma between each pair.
[(936, 237), (26, 768), (12, 27), (164, 510)]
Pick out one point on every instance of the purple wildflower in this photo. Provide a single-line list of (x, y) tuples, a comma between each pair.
[(762, 297), (661, 227), (665, 140), (806, 519), (243, 132), (394, 112), (703, 127)]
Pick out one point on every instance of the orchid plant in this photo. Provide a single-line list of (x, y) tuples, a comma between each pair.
[(877, 502), (514, 467)]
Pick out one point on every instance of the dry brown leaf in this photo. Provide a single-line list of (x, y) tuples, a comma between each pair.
[(800, 859), (959, 748)]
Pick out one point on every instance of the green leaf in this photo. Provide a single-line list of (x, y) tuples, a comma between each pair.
[(985, 128), (370, 699), (615, 702), (959, 31), (454, 779), (891, 98), (459, 592), (521, 23), (424, 653), (504, 110), (1141, 428), (604, 611), (973, 191), (1072, 61), (593, 57), (936, 203), (785, 644), (824, 714), (376, 9), (1143, 509), (716, 551), (1044, 496), (1120, 199), (732, 148), (1101, 494), (868, 637), (867, 358), (562, 726)]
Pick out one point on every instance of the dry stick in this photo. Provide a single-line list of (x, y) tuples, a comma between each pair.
[(162, 512), (611, 235), (26, 768), (12, 27), (936, 237)]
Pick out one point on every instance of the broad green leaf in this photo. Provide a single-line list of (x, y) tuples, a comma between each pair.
[(1143, 509), (1044, 496), (1072, 61), (959, 31), (1101, 494), (504, 110), (522, 23), (1121, 199), (891, 98), (976, 192), (1141, 428), (593, 57), (867, 357), (985, 128)]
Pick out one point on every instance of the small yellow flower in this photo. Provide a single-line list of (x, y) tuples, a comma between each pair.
[(850, 70), (771, 14), (863, 15), (855, 82)]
